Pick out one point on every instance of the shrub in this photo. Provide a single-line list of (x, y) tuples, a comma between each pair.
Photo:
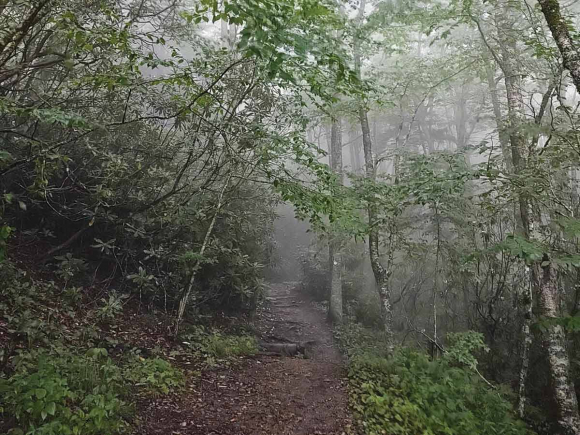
[(60, 392), (409, 394), (155, 374), (111, 307), (355, 339), (315, 274), (65, 393), (218, 345), (223, 346)]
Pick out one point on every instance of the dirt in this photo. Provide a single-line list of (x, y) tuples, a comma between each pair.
[(272, 395)]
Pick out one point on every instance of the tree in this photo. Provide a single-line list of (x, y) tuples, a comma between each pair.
[(335, 244), (381, 274), (543, 272), (561, 33)]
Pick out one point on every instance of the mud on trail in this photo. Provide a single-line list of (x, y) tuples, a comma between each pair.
[(266, 394)]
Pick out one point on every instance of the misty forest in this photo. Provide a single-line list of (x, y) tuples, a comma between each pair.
[(280, 217)]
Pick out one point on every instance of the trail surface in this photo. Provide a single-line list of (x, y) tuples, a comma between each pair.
[(268, 395)]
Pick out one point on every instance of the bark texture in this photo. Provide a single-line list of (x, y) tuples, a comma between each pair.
[(497, 113), (554, 341), (381, 274), (543, 273), (526, 302), (334, 254), (561, 33)]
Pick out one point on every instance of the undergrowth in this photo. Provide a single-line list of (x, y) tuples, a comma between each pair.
[(60, 391), (62, 371), (410, 394), (214, 345)]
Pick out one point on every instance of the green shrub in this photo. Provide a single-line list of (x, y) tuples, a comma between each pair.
[(60, 392), (155, 374), (355, 339), (223, 346), (63, 393), (68, 268), (111, 307), (409, 394), (218, 345)]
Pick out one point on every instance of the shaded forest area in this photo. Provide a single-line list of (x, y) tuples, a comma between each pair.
[(153, 155)]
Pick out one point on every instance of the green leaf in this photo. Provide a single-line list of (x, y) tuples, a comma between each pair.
[(51, 408)]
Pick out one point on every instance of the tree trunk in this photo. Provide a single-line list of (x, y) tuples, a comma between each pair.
[(334, 246), (554, 340), (501, 131), (564, 41), (543, 276), (355, 152), (187, 291), (526, 302), (380, 273)]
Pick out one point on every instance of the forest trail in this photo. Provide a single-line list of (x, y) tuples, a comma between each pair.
[(268, 395)]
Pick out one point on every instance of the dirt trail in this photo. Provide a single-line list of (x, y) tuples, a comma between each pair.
[(265, 394)]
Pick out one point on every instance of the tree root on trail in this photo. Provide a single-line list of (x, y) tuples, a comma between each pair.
[(285, 349), (289, 322), (293, 305)]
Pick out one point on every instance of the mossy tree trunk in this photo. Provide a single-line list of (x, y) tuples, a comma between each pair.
[(561, 33)]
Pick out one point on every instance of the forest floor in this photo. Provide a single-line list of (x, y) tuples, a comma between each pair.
[(265, 394)]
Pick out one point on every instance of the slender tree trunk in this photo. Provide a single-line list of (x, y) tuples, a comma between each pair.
[(352, 149), (543, 273), (187, 291), (380, 273), (435, 352), (554, 340), (501, 131), (559, 28), (355, 152), (526, 302), (334, 246), (516, 118)]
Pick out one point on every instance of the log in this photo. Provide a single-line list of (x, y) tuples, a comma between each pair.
[(282, 349), (286, 349)]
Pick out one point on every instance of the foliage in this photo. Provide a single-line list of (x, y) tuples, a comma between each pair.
[(111, 307), (26, 306), (570, 323), (66, 393), (69, 267), (314, 271), (61, 392), (5, 232), (357, 341), (214, 345), (462, 348), (224, 346), (409, 394), (154, 375), (122, 121)]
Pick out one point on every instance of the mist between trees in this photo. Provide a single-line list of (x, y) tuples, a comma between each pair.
[(168, 157)]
